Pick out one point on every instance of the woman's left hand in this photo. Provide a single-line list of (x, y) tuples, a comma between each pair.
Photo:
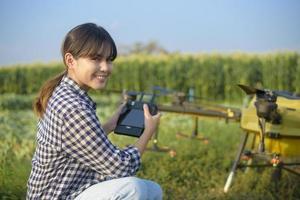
[(111, 124)]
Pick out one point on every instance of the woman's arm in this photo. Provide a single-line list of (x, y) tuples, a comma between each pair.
[(111, 124), (151, 123)]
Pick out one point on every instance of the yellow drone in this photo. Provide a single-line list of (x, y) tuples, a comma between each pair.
[(273, 120)]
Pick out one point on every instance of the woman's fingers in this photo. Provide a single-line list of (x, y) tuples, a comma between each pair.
[(146, 111), (157, 116), (148, 114)]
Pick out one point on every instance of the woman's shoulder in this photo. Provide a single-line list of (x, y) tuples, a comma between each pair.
[(64, 101)]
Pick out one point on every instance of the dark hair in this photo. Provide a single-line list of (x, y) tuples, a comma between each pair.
[(89, 41), (86, 40)]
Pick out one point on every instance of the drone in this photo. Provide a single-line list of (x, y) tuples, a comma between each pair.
[(272, 118), (270, 124)]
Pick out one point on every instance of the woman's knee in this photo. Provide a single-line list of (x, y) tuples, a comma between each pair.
[(154, 190), (142, 189), (134, 188)]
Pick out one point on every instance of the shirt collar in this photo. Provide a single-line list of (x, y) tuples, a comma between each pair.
[(71, 83)]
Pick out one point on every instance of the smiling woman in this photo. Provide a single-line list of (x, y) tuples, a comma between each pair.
[(74, 158), (87, 45), (89, 73), (88, 58)]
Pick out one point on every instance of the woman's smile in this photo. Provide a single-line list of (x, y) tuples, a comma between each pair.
[(101, 77)]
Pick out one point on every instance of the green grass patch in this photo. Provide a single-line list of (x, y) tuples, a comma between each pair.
[(197, 171)]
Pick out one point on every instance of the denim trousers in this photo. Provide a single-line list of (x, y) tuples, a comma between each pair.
[(127, 188)]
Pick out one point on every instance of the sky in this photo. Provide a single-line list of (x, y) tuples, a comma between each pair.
[(33, 30)]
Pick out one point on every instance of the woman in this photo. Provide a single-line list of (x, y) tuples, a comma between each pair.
[(74, 157)]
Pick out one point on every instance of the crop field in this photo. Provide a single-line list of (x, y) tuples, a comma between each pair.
[(192, 170), (189, 169)]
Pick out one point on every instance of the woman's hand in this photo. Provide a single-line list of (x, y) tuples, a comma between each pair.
[(151, 121), (111, 124)]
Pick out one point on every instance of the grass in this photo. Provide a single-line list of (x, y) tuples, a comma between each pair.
[(197, 171)]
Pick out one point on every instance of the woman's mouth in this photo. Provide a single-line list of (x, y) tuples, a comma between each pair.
[(101, 77)]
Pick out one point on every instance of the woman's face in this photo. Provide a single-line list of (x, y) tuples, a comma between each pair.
[(90, 73)]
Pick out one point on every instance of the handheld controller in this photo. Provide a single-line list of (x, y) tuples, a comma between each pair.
[(131, 120)]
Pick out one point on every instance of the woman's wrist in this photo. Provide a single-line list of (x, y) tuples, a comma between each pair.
[(107, 127), (111, 124), (142, 142)]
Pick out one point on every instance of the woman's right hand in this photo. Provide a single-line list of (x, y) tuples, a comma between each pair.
[(151, 123)]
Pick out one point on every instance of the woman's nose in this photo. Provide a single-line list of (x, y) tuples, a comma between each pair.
[(104, 66)]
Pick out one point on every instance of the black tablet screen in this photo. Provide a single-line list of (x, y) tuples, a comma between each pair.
[(134, 118)]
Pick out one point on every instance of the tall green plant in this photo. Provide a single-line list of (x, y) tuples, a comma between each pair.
[(212, 76)]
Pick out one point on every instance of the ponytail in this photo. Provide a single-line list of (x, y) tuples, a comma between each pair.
[(40, 103)]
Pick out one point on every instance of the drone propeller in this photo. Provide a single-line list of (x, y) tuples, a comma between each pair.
[(180, 97), (251, 90), (163, 91)]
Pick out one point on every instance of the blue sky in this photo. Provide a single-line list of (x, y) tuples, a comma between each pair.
[(33, 30)]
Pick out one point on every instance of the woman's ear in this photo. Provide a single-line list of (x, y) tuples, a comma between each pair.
[(70, 61)]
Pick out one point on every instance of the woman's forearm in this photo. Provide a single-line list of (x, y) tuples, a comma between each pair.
[(142, 142)]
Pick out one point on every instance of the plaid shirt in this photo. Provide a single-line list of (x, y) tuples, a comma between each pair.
[(73, 152)]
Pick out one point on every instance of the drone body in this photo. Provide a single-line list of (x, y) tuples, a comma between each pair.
[(282, 138), (273, 119)]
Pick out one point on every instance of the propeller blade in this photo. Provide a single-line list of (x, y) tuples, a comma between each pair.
[(162, 90), (251, 90), (287, 95)]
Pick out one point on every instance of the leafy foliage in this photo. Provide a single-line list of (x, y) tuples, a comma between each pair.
[(213, 76)]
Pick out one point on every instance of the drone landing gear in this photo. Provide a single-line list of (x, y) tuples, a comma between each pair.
[(194, 134), (278, 166), (276, 163), (236, 162)]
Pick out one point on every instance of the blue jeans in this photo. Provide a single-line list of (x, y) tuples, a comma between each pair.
[(128, 188)]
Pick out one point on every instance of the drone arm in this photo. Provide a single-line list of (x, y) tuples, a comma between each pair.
[(189, 110)]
